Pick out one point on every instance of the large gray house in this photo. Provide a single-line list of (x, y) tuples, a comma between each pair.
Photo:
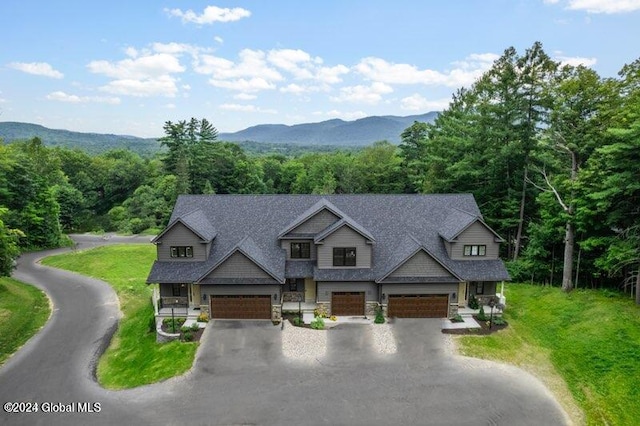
[(248, 256)]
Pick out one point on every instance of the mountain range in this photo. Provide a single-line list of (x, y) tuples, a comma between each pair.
[(335, 132)]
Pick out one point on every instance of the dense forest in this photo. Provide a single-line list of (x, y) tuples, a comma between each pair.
[(551, 153)]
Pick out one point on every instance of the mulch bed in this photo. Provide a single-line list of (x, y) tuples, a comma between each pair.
[(195, 334), (482, 331)]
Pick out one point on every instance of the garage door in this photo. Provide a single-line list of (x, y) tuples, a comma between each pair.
[(418, 306), (347, 303), (241, 307)]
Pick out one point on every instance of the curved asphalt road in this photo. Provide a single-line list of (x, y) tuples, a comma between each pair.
[(241, 377)]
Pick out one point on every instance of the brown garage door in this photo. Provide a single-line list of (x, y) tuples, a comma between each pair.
[(241, 307), (418, 306), (347, 303)]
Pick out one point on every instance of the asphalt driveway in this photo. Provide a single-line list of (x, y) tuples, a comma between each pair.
[(255, 373)]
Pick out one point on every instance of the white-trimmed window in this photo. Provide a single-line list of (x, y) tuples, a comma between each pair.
[(475, 250)]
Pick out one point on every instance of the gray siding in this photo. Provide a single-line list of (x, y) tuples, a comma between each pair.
[(232, 290), (180, 235), (421, 265), (478, 234), (326, 288), (286, 245), (344, 237), (316, 223), (489, 288), (238, 266), (166, 290)]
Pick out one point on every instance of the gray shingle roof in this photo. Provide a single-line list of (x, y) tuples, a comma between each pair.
[(345, 221), (400, 224), (197, 222)]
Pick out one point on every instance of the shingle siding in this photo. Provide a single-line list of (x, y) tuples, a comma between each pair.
[(475, 234), (344, 237), (238, 266), (420, 265), (180, 235)]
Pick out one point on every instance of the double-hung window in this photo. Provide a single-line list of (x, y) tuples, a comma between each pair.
[(181, 251), (344, 256), (300, 250), (475, 250)]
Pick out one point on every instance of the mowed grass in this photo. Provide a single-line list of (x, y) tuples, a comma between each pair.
[(590, 338), (133, 358), (24, 310)]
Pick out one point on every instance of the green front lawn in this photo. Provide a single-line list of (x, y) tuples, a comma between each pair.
[(24, 310), (590, 338), (133, 358)]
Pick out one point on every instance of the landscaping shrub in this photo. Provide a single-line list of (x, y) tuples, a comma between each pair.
[(317, 323), (321, 312), (473, 302), (481, 315), (195, 327), (498, 321), (203, 317), (297, 321), (188, 337), (379, 316), (457, 318)]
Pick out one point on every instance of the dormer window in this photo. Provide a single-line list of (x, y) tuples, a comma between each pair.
[(300, 250), (344, 256), (181, 251), (475, 250)]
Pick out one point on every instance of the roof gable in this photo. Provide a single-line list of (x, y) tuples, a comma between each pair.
[(458, 221), (252, 252), (430, 264), (196, 221), (322, 205), (348, 222)]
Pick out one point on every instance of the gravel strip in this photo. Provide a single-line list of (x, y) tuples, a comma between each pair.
[(303, 344), (384, 340)]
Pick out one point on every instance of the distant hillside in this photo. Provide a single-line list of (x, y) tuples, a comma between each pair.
[(93, 143), (332, 132), (277, 138)]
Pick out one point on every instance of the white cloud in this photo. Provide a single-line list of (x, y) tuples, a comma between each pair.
[(296, 89), (575, 60), (331, 75), (247, 108), (170, 106), (605, 6), (417, 102), (210, 14), (219, 39), (254, 84), (297, 62), (37, 68), (64, 97), (148, 75), (244, 97), (600, 6), (371, 94), (143, 67), (160, 86), (465, 73), (348, 115)]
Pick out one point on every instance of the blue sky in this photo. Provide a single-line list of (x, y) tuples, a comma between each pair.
[(126, 67)]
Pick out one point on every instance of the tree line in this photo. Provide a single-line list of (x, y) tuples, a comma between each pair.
[(549, 151)]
